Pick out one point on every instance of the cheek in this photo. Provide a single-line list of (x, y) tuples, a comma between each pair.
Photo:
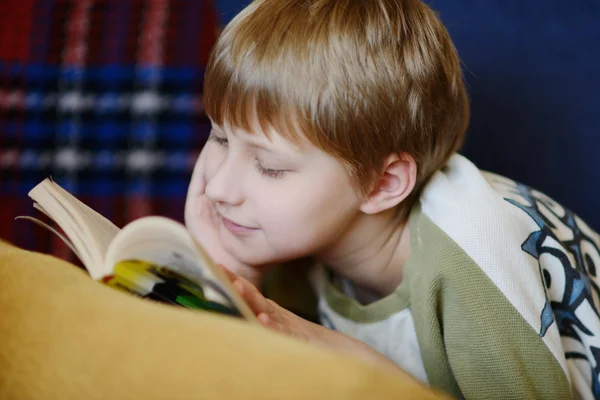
[(214, 159), (309, 217)]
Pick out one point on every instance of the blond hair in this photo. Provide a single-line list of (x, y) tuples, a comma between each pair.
[(360, 79)]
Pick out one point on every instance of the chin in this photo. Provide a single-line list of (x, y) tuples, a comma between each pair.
[(257, 259), (246, 256)]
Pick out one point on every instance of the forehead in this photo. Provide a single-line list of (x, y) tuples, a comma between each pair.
[(268, 138)]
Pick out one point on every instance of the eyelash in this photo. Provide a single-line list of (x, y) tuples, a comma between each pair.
[(218, 140), (271, 173)]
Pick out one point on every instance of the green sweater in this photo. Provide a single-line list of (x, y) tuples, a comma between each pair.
[(498, 298)]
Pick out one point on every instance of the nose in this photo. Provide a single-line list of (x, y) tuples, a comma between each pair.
[(225, 185)]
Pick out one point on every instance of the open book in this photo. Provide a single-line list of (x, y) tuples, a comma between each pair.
[(152, 257)]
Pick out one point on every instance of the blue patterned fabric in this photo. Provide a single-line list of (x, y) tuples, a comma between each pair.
[(105, 96)]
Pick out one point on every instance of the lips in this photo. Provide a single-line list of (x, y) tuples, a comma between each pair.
[(235, 228)]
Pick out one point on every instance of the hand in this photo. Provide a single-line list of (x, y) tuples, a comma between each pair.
[(203, 222), (275, 317), (272, 315)]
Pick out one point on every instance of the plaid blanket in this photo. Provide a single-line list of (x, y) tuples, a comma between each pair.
[(105, 96)]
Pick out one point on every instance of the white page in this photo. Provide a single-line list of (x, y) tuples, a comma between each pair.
[(89, 232), (165, 242)]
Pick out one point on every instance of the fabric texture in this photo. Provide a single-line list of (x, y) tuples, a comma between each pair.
[(65, 336), (475, 343), (500, 294), (105, 96)]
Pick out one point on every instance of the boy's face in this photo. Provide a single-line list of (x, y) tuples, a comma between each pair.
[(275, 201)]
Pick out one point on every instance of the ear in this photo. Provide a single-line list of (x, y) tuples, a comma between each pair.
[(393, 186)]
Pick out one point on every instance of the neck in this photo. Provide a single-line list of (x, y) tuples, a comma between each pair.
[(372, 252)]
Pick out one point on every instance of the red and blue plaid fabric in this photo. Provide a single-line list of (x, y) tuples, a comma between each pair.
[(105, 96)]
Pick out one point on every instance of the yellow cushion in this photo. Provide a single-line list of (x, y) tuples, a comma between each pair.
[(63, 336)]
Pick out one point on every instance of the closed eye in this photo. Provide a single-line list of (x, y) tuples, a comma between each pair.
[(271, 173), (218, 140)]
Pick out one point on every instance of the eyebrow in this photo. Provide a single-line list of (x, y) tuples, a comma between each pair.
[(276, 152)]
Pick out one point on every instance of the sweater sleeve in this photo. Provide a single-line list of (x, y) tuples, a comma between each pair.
[(474, 343)]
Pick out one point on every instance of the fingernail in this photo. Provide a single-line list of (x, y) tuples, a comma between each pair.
[(264, 318), (239, 286)]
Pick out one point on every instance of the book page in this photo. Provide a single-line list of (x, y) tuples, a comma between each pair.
[(161, 243), (88, 231), (102, 230)]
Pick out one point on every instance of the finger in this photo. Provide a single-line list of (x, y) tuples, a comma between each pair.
[(264, 319), (272, 324), (255, 300), (284, 326), (232, 276), (279, 315)]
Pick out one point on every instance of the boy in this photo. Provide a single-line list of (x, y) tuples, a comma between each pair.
[(335, 130)]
